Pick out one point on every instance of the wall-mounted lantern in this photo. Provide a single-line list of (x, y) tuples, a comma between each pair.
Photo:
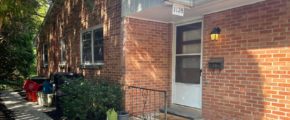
[(215, 34)]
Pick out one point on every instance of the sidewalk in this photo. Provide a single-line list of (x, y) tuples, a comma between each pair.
[(23, 109)]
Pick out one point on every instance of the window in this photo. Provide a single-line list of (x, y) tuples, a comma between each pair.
[(45, 57), (63, 52), (92, 49)]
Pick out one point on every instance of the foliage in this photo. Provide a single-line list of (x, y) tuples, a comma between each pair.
[(16, 59), (19, 20), (12, 10), (6, 84), (90, 99)]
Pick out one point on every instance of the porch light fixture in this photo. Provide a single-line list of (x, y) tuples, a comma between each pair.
[(215, 34)]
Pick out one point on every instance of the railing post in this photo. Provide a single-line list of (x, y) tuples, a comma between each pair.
[(165, 98)]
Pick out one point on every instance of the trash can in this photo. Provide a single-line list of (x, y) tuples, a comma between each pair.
[(39, 96), (39, 80), (31, 96), (111, 114), (31, 86), (57, 79), (47, 100), (47, 87), (123, 115)]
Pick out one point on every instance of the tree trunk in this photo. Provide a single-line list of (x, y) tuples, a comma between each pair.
[(1, 22)]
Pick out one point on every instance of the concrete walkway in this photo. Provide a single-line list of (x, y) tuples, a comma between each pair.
[(23, 109)]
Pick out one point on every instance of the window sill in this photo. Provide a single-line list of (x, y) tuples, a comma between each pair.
[(91, 66), (62, 66), (44, 66)]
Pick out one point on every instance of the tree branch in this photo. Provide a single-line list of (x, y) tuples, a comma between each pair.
[(37, 14)]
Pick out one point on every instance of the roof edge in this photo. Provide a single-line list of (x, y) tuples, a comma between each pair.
[(34, 43)]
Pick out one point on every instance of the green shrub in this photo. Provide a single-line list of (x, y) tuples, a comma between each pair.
[(90, 99), (6, 84)]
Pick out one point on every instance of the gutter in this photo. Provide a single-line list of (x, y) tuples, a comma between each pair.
[(189, 4), (34, 43)]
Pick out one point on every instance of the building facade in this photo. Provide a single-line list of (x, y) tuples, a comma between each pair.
[(140, 43)]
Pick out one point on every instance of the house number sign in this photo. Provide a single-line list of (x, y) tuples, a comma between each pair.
[(178, 9)]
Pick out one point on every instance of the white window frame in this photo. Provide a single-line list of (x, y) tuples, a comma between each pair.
[(43, 55), (92, 43), (63, 42)]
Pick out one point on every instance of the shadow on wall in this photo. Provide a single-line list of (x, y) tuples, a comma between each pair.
[(139, 57), (254, 83), (147, 52)]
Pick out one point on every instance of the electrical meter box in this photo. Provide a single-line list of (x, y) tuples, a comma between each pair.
[(216, 63)]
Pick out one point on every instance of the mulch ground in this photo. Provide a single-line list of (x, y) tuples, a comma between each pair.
[(6, 114), (55, 114)]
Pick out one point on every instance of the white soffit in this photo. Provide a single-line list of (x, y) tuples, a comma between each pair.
[(163, 12)]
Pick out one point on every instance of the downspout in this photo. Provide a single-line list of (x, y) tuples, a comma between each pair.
[(168, 62), (54, 59)]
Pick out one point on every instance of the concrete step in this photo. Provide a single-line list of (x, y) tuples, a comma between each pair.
[(182, 113)]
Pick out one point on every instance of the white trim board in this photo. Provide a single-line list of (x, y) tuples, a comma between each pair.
[(146, 19), (43, 55), (92, 28), (233, 7), (189, 21), (63, 42)]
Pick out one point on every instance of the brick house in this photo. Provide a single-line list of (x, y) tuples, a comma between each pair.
[(140, 43)]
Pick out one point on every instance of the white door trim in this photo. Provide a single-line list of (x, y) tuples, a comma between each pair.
[(174, 57)]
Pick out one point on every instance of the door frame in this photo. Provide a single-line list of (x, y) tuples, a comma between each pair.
[(174, 56)]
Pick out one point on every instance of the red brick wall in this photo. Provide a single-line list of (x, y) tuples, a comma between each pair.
[(76, 17), (139, 54), (148, 62), (255, 42)]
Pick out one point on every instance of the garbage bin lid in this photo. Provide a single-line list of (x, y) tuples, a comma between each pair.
[(38, 78)]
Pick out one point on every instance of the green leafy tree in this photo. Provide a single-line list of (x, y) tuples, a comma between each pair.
[(19, 21), (18, 25)]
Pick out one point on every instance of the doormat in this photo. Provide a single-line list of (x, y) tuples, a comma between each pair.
[(170, 117)]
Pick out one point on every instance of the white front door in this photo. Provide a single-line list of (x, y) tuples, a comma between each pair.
[(187, 89)]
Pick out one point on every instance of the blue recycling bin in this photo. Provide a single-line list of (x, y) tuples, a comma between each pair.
[(47, 87)]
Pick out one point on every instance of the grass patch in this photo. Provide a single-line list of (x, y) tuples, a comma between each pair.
[(33, 74)]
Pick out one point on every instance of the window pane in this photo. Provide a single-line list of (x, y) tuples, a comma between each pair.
[(192, 35), (87, 55), (188, 69), (63, 50), (191, 48), (99, 54), (63, 56), (98, 42), (86, 35), (98, 37), (98, 46), (45, 48), (98, 34), (87, 48), (188, 39), (45, 58), (87, 44)]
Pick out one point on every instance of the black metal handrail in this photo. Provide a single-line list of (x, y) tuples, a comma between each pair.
[(145, 94)]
